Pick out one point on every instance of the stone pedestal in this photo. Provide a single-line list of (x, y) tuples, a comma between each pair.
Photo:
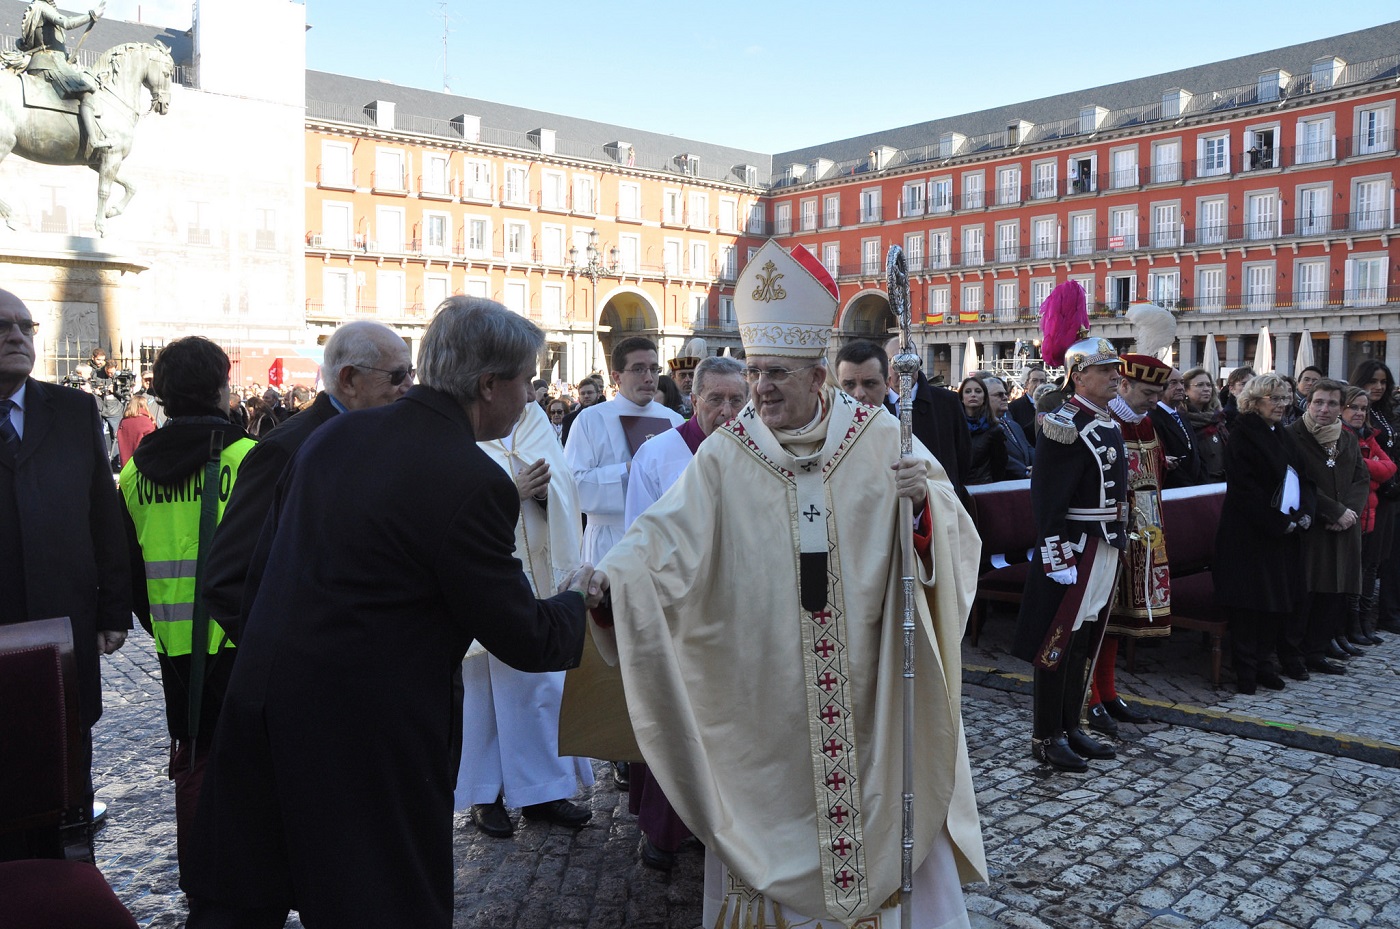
[(76, 289)]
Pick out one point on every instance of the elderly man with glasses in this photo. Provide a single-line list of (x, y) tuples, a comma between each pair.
[(600, 447), (757, 614), (366, 365)]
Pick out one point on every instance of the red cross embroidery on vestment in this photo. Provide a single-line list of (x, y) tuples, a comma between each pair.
[(824, 648), (832, 748), (836, 780), (838, 815), (827, 682), (821, 616), (843, 877), (860, 414), (830, 714), (841, 846)]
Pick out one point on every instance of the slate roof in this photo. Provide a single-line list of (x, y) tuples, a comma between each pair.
[(587, 137), (1352, 47)]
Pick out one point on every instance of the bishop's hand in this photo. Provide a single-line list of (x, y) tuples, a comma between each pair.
[(911, 479), (587, 583)]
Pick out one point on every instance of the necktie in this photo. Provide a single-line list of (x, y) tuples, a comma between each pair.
[(8, 435), (1184, 431)]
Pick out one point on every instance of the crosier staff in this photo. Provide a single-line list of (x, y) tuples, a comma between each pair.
[(907, 364)]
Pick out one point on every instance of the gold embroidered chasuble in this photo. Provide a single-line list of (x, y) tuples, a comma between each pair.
[(775, 730)]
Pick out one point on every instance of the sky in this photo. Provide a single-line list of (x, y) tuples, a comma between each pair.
[(775, 76)]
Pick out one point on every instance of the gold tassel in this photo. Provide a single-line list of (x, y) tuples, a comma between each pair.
[(723, 912), (779, 920), (738, 907), (763, 912)]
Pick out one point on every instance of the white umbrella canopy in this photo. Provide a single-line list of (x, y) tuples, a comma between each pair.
[(1305, 353), (970, 357), (1264, 352), (1210, 358)]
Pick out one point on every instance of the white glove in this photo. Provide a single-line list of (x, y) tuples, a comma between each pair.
[(1068, 576)]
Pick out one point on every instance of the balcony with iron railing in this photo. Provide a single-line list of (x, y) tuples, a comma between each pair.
[(1241, 302)]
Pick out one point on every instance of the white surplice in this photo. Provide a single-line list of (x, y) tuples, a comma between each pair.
[(598, 455), (656, 466), (510, 719)]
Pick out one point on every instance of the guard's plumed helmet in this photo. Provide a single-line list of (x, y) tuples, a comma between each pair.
[(1089, 352)]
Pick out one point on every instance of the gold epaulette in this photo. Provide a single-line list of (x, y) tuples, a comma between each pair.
[(1059, 426)]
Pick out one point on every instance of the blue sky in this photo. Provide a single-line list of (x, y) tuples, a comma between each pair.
[(772, 76)]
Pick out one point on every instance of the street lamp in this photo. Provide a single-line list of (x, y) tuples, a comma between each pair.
[(594, 268)]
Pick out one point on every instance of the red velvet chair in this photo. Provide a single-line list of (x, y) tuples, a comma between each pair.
[(43, 789)]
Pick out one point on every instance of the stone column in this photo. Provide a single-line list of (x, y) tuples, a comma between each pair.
[(1337, 355), (1233, 351), (1392, 349), (1284, 352), (1186, 353)]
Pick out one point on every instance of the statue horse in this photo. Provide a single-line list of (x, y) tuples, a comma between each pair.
[(51, 136)]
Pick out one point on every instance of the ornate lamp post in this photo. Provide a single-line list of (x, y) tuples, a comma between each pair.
[(594, 268)]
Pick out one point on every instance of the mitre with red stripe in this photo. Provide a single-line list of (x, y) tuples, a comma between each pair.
[(786, 303)]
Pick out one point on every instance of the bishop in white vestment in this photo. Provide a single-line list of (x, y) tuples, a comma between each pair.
[(757, 622)]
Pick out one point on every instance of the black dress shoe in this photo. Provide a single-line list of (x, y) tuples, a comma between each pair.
[(1086, 747), (621, 780), (1351, 650), (558, 812), (492, 819), (1336, 652), (1297, 672), (1270, 680), (653, 857), (1324, 666), (1055, 751), (1099, 719), (1123, 711)]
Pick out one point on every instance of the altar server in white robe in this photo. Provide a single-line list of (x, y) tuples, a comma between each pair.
[(756, 615), (599, 453), (510, 719)]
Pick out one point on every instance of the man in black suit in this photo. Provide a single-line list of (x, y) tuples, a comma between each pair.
[(1022, 409), (365, 365), (940, 424), (1184, 468), (62, 548), (389, 549)]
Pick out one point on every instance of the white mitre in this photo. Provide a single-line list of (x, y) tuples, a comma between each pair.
[(786, 303)]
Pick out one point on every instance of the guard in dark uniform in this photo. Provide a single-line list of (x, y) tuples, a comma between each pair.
[(1077, 489)]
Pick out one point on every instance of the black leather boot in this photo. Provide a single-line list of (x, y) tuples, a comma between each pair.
[(1048, 740), (1354, 636), (1370, 609), (1076, 684)]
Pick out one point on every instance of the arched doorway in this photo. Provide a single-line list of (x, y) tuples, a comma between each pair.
[(625, 312), (868, 316)]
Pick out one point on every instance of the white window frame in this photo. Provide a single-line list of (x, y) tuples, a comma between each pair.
[(391, 294), (1044, 237), (672, 256), (553, 191), (940, 248), (831, 211), (515, 241), (1166, 224), (1044, 180), (940, 302), (1259, 280), (1366, 280), (971, 300), (697, 210), (552, 305), (389, 222), (870, 208), (809, 214), (1166, 170), (1262, 217), (728, 214), (940, 195), (1212, 229), (1209, 291), (911, 199), (1213, 154), (871, 261), (1310, 283), (974, 190), (553, 251), (337, 224), (914, 251), (1370, 203), (337, 164), (390, 169), (517, 186), (1313, 209), (1375, 129), (1079, 243), (782, 218), (1123, 224), (585, 201), (1164, 287), (437, 177), (831, 258), (482, 247), (476, 180), (440, 243), (974, 250), (515, 296), (1123, 167), (1008, 241), (1317, 140), (699, 256), (629, 246), (1009, 184), (436, 288), (629, 200), (339, 292)]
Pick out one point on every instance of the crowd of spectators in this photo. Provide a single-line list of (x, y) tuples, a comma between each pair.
[(1310, 472)]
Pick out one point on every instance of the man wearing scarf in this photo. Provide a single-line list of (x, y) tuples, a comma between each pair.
[(1332, 547), (758, 611), (1143, 602)]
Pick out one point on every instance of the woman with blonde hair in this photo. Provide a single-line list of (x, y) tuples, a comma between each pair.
[(136, 424)]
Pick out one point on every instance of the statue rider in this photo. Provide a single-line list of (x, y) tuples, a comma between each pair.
[(42, 38)]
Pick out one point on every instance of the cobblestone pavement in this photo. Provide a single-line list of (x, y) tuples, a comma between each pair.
[(1186, 828)]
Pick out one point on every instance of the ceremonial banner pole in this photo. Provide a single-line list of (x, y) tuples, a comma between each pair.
[(907, 364)]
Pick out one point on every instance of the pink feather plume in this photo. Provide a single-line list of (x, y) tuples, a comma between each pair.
[(1064, 320)]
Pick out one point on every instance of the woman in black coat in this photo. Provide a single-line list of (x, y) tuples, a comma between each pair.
[(1258, 568), (988, 438)]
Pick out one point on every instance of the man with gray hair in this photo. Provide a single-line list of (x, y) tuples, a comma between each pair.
[(366, 364), (368, 586)]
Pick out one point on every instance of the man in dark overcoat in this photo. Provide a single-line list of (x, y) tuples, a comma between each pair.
[(939, 423), (1077, 489), (389, 549), (366, 364), (62, 548)]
